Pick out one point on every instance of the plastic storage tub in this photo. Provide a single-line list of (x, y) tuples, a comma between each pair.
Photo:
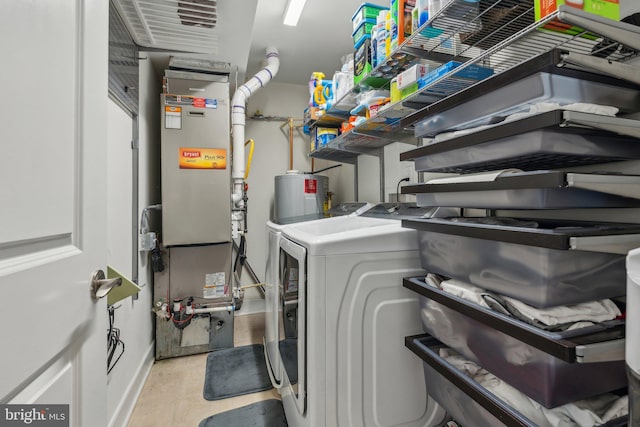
[(553, 368), (366, 12), (537, 80), (557, 263), (361, 32), (465, 400), (543, 141), (529, 190)]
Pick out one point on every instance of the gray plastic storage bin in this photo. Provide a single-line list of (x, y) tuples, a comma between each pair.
[(515, 90), (555, 139), (555, 264), (465, 400), (531, 190), (553, 368)]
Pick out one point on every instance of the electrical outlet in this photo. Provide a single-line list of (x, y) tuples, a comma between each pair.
[(147, 241)]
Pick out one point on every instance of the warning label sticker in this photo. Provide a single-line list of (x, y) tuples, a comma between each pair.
[(214, 286), (310, 186)]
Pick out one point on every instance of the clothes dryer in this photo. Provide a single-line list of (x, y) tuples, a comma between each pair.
[(351, 366), (273, 299)]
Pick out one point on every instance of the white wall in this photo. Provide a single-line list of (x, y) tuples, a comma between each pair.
[(395, 170), (120, 182), (368, 169), (628, 7), (341, 180), (271, 158), (134, 317)]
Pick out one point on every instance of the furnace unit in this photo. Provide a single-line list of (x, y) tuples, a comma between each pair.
[(193, 295)]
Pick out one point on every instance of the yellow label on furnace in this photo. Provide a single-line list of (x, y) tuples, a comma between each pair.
[(202, 158)]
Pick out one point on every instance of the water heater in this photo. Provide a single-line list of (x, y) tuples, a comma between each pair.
[(299, 194)]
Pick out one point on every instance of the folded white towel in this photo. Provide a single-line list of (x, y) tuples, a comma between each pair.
[(585, 413), (473, 177), (603, 110), (456, 133), (540, 107), (593, 311), (581, 107), (464, 291)]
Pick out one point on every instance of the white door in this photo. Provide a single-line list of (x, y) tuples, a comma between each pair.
[(52, 214)]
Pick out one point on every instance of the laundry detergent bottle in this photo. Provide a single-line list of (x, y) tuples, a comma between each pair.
[(423, 12)]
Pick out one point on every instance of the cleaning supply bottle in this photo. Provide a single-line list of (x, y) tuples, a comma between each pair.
[(387, 43), (382, 35), (423, 11), (315, 85), (394, 18), (374, 47)]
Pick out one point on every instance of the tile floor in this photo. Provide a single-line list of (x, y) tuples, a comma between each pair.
[(172, 394)]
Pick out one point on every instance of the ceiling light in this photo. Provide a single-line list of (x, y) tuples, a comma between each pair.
[(293, 11)]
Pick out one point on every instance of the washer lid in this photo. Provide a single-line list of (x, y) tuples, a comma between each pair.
[(352, 235)]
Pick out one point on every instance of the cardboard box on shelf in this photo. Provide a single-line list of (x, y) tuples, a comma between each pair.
[(408, 90), (315, 113), (605, 8), (404, 19), (412, 75), (471, 72)]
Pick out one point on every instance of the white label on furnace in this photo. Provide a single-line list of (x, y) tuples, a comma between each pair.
[(172, 117), (213, 285)]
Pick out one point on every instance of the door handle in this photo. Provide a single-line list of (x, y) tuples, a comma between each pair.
[(100, 287)]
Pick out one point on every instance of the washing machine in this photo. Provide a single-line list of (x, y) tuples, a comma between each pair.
[(632, 343), (274, 308), (345, 364)]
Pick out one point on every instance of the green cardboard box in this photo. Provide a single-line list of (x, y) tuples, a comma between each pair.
[(605, 8)]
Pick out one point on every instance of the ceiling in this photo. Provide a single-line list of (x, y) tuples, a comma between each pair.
[(322, 36), (244, 29)]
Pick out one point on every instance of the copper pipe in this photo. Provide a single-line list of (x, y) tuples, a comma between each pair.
[(290, 122), (290, 143)]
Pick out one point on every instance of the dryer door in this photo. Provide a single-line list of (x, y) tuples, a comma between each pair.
[(273, 310), (292, 345)]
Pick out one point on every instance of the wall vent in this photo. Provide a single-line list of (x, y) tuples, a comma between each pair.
[(174, 25)]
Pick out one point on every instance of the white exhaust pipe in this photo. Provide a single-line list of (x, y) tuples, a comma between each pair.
[(238, 114)]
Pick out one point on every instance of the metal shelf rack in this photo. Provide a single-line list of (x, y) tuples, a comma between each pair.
[(502, 35)]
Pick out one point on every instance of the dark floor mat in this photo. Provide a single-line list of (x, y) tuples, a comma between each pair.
[(268, 413), (236, 371)]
